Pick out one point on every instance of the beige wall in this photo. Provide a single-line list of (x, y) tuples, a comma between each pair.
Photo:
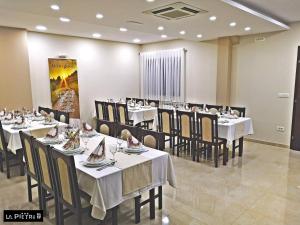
[(105, 69), (201, 68), (15, 86), (261, 70)]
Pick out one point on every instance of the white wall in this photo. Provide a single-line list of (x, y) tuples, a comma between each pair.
[(260, 70), (105, 69), (201, 68)]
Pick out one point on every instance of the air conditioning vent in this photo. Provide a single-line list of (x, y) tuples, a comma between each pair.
[(175, 11)]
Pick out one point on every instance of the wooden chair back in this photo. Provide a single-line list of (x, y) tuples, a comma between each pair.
[(152, 139), (124, 131), (122, 113), (106, 127), (207, 127), (195, 107), (217, 107), (153, 103), (166, 120), (239, 111), (100, 110), (185, 124), (63, 117), (110, 110)]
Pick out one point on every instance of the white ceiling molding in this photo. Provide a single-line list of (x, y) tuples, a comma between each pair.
[(256, 13)]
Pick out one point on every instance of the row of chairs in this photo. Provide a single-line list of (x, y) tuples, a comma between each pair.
[(149, 138), (195, 134), (55, 178), (56, 114)]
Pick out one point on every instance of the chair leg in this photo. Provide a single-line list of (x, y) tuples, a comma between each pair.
[(7, 167), (60, 214), (225, 153), (21, 163), (216, 155), (241, 146), (160, 197), (29, 189), (152, 203), (1, 163), (137, 202), (40, 196), (78, 217), (233, 149)]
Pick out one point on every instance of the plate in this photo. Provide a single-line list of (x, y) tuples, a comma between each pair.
[(50, 123), (19, 127), (89, 134), (103, 162), (52, 141), (135, 150), (72, 152), (40, 118), (7, 122)]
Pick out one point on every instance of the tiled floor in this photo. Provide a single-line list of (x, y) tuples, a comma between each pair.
[(262, 188)]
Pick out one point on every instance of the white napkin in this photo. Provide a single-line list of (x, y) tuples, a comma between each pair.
[(86, 127), (132, 142), (53, 133), (98, 154), (73, 143)]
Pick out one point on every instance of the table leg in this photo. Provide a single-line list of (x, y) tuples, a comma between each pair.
[(137, 201), (115, 215), (152, 204), (160, 197), (241, 146), (233, 149)]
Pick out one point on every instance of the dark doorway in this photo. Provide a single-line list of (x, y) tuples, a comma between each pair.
[(295, 137)]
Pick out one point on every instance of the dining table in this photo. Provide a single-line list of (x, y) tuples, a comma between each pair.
[(12, 135), (140, 114), (128, 177)]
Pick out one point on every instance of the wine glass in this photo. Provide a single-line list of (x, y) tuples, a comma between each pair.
[(113, 151), (85, 140), (119, 142)]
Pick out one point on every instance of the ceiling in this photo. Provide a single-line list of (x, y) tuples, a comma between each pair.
[(27, 14), (285, 10)]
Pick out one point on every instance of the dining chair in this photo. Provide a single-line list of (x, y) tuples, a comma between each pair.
[(195, 107), (124, 131), (63, 117), (122, 114), (140, 101), (110, 111), (106, 127), (152, 139), (10, 159), (185, 131), (166, 125), (32, 170), (39, 133), (70, 199), (100, 110), (208, 139), (217, 107), (240, 112)]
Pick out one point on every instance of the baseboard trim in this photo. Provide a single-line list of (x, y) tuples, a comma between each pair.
[(267, 143)]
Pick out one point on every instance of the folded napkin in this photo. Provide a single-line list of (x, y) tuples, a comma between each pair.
[(3, 112), (9, 116), (37, 114), (132, 142), (73, 143), (20, 120), (234, 113), (195, 109), (98, 154), (86, 127), (53, 133)]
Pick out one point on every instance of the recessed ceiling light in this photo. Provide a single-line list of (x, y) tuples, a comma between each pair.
[(150, 0), (55, 7), (41, 27), (64, 19), (182, 32), (136, 40), (199, 36), (164, 36), (212, 18), (97, 35), (99, 16), (123, 29), (247, 28), (232, 24), (160, 28)]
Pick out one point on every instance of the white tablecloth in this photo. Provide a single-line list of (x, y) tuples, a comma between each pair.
[(105, 186), (235, 128), (12, 136), (143, 114)]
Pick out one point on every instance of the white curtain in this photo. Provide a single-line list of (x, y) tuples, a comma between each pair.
[(163, 75)]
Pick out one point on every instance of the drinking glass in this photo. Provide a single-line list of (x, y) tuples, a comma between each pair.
[(85, 141), (113, 151), (119, 142)]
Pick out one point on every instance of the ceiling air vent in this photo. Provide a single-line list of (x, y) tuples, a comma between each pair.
[(175, 11)]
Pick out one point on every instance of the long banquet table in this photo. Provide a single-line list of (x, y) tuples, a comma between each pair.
[(13, 138), (141, 114), (106, 186)]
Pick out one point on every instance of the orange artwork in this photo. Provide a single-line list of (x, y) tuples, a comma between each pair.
[(64, 86)]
